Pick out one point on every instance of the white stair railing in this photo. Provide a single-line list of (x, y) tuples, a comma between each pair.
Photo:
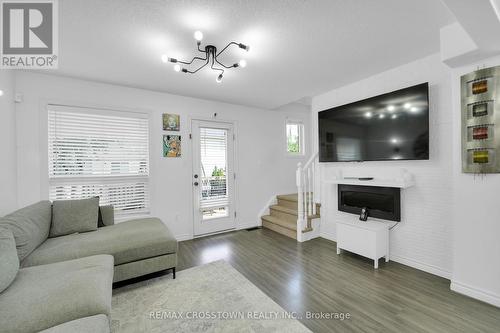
[(307, 193)]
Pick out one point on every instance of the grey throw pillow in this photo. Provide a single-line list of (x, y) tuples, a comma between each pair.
[(9, 261), (70, 216), (30, 226), (106, 216)]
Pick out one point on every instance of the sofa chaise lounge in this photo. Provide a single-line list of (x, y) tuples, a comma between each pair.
[(64, 283)]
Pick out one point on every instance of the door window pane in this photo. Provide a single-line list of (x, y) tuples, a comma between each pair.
[(214, 192)]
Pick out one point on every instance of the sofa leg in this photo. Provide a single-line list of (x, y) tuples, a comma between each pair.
[(173, 272)]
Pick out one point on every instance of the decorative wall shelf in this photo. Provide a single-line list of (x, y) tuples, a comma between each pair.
[(399, 178)]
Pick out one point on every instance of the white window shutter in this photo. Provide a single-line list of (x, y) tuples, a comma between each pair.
[(99, 153)]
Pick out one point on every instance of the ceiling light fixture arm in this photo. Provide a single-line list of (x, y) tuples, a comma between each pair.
[(240, 45), (215, 68), (211, 56), (198, 44), (184, 70), (220, 63), (224, 49), (189, 63)]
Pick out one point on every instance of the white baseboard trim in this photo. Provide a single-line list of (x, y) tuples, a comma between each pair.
[(328, 236), (184, 237), (476, 293), (248, 226), (421, 266)]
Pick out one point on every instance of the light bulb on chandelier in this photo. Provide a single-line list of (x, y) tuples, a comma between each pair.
[(198, 35)]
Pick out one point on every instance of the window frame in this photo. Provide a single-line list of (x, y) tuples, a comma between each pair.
[(47, 181), (302, 150)]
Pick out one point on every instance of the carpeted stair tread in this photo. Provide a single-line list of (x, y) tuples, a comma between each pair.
[(288, 197), (292, 211), (291, 197), (284, 209), (280, 222)]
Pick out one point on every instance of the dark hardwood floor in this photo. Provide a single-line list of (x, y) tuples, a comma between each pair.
[(311, 277)]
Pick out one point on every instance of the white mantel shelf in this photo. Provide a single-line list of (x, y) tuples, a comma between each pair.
[(398, 183)]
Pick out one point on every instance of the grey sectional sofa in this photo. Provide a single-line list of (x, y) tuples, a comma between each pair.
[(64, 284)]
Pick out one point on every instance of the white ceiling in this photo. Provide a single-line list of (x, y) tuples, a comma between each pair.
[(299, 48)]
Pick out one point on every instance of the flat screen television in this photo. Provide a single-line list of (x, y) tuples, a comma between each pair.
[(392, 126)]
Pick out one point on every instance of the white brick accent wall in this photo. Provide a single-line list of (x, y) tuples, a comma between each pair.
[(423, 239)]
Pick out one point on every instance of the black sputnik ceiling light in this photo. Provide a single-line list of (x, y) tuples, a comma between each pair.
[(210, 59)]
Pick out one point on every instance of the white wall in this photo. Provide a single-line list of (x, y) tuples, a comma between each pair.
[(423, 239), (476, 243), (263, 168), (8, 161)]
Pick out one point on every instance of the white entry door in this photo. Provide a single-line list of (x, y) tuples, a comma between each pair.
[(213, 176)]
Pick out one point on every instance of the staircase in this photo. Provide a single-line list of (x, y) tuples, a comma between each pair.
[(284, 216), (294, 214)]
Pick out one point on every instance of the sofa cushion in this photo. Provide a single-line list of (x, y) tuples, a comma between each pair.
[(70, 216), (9, 261), (127, 241), (30, 226), (49, 295), (94, 324), (106, 216)]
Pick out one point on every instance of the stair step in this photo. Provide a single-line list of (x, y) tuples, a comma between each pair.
[(280, 226), (287, 203), (288, 197), (283, 216), (291, 211), (284, 209), (291, 198), (267, 224), (280, 222), (283, 213)]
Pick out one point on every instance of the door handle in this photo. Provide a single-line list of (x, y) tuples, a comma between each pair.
[(195, 183)]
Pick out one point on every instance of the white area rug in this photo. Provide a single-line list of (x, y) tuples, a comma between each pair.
[(209, 298)]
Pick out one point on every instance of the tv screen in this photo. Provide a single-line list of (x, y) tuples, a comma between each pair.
[(392, 126)]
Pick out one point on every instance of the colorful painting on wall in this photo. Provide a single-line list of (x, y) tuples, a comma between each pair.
[(171, 146), (171, 122)]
